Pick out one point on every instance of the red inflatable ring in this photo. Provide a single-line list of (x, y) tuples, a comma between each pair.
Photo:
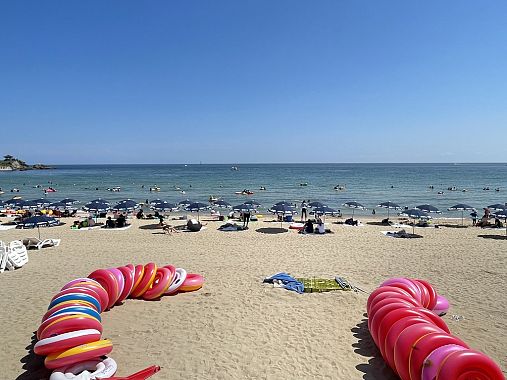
[(160, 284), (108, 282), (150, 270)]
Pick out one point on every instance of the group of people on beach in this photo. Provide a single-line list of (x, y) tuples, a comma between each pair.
[(485, 220)]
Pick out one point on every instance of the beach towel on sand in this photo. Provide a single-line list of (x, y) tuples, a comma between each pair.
[(289, 282)]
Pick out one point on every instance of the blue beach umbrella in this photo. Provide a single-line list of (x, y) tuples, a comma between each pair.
[(428, 208), (42, 202), (185, 203), (252, 202), (69, 201), (164, 206), (503, 215), (197, 207), (244, 208), (59, 206), (38, 221), (354, 206), (96, 207), (99, 200), (13, 202), (316, 204), (156, 201), (389, 206), (415, 214), (283, 208), (325, 210), (222, 204), (461, 207), (28, 205), (126, 205), (498, 207)]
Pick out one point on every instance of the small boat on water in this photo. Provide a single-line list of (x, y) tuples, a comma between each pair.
[(50, 190), (155, 188), (114, 189), (339, 187), (235, 168)]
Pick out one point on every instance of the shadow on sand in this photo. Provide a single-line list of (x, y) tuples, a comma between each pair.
[(272, 230), (33, 364), (376, 368), (495, 237)]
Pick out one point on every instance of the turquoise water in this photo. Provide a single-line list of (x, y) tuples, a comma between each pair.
[(369, 184)]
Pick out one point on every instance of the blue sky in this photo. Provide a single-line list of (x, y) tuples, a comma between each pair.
[(253, 81)]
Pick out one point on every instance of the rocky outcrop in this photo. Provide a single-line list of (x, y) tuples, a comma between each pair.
[(11, 163)]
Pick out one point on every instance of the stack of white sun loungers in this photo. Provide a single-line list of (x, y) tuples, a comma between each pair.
[(13, 255)]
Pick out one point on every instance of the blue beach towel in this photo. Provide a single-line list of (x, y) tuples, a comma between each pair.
[(289, 282)]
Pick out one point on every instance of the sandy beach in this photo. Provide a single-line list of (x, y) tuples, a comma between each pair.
[(236, 327)]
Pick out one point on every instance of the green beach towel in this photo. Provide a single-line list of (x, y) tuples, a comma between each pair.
[(320, 285)]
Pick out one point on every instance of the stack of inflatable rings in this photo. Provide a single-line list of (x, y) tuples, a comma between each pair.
[(403, 319), (70, 331)]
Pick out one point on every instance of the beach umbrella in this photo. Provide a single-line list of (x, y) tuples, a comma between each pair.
[(461, 207), (126, 205), (316, 204), (96, 207), (415, 214), (354, 205), (41, 202), (502, 214), (164, 206), (38, 221), (185, 203), (244, 208), (498, 207), (283, 208), (389, 206), (28, 205), (281, 203), (69, 201), (222, 204), (59, 206), (325, 210), (197, 207), (252, 202), (428, 208), (156, 201), (13, 202), (99, 200)]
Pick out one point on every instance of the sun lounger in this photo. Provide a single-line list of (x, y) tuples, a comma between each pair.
[(34, 243), (3, 256), (17, 256)]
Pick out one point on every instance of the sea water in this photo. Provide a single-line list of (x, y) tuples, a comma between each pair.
[(370, 184)]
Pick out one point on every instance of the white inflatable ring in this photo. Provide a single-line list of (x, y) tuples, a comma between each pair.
[(102, 369), (179, 278)]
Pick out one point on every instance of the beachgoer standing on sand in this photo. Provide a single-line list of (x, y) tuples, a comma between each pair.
[(246, 218), (303, 210), (474, 216)]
